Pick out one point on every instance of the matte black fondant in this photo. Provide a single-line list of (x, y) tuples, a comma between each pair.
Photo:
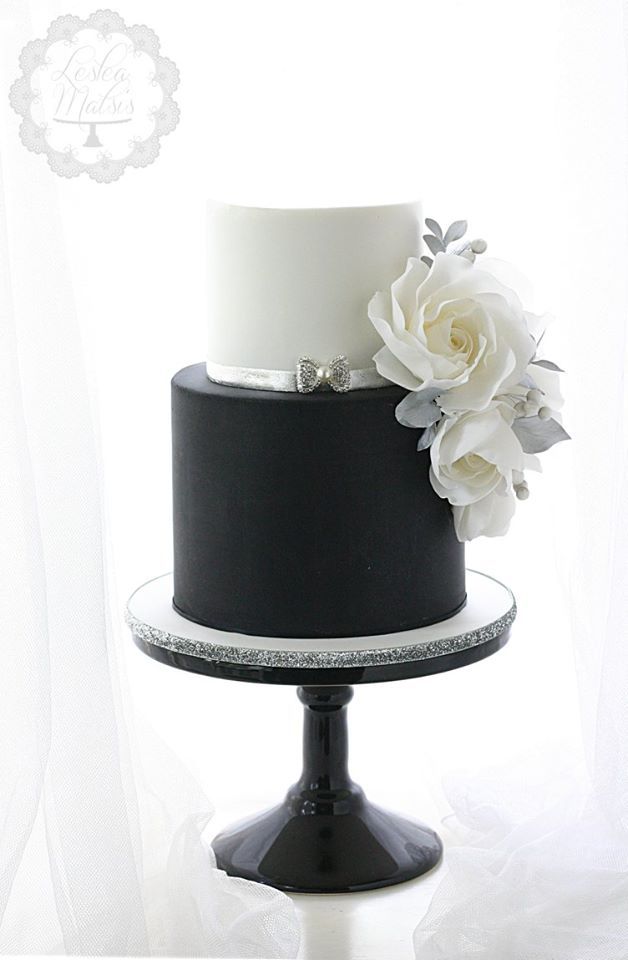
[(326, 837), (306, 515)]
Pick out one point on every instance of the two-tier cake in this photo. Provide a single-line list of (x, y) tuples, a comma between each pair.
[(302, 507), (372, 399)]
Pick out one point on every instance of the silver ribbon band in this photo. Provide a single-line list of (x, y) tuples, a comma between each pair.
[(284, 381)]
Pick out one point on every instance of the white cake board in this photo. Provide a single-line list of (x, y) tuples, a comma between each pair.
[(486, 617)]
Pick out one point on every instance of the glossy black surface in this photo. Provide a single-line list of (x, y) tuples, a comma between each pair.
[(326, 837), (295, 676), (306, 515)]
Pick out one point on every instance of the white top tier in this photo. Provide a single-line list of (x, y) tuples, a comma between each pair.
[(290, 283)]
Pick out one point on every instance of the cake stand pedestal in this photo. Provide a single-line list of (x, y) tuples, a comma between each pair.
[(325, 837)]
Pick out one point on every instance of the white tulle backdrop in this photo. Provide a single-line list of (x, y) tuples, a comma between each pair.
[(538, 866), (102, 849), (513, 115)]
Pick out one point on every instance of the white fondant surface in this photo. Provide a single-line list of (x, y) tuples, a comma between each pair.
[(488, 600), (287, 283)]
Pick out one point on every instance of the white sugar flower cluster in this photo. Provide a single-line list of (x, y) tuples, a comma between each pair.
[(459, 340)]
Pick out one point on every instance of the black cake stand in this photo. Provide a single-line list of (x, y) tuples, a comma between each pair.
[(325, 837)]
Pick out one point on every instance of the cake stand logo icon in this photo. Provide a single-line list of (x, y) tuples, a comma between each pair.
[(95, 96)]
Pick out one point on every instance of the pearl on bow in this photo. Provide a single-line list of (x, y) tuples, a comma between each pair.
[(311, 375)]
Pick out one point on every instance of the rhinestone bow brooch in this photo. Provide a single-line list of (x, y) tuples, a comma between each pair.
[(311, 375)]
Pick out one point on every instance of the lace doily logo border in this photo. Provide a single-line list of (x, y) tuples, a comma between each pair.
[(106, 169)]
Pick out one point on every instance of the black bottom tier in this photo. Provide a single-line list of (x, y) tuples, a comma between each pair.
[(306, 515)]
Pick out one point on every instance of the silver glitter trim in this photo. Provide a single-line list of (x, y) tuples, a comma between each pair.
[(320, 659)]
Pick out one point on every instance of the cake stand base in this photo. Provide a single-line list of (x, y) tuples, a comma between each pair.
[(326, 837)]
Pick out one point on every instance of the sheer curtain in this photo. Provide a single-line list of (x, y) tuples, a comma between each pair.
[(102, 847), (540, 870)]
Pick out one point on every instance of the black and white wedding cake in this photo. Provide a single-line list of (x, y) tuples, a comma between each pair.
[(302, 506)]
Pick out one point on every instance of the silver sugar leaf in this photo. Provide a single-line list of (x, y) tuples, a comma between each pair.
[(427, 261), (427, 437), (548, 365), (454, 232), (435, 244), (536, 435), (435, 227), (527, 382), (418, 409)]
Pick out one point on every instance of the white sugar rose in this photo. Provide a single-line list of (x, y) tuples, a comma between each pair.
[(477, 461), (453, 330)]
